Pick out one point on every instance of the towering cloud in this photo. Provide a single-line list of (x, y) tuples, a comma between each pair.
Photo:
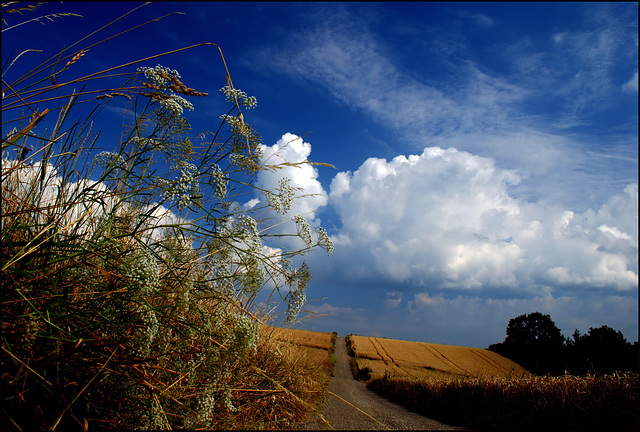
[(445, 220)]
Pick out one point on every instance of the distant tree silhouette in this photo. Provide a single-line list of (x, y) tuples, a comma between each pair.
[(601, 350), (533, 329), (534, 342)]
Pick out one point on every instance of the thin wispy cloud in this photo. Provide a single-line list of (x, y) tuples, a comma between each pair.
[(516, 117)]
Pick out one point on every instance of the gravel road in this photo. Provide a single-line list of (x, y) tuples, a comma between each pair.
[(351, 406)]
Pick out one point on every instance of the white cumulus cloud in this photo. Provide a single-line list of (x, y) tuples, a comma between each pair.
[(445, 220)]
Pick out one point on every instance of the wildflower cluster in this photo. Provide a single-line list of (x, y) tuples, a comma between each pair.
[(155, 311), (239, 97), (282, 201), (185, 190), (221, 181), (109, 160), (324, 241), (304, 231), (164, 79)]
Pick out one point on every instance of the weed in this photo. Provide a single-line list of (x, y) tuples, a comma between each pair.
[(129, 301)]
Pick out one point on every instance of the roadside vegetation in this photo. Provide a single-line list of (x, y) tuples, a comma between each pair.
[(131, 270), (319, 346)]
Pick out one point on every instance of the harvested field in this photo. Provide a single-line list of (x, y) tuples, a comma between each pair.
[(422, 360)]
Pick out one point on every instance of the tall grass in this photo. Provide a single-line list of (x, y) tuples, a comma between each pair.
[(130, 274), (568, 402)]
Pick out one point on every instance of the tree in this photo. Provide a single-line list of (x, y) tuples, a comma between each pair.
[(534, 342), (533, 329), (601, 350)]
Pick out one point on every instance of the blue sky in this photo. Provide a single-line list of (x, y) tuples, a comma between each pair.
[(486, 154)]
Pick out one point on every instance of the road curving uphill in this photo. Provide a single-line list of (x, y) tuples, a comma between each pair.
[(351, 406)]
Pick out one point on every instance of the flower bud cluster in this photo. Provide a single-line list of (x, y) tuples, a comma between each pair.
[(176, 104), (295, 300), (304, 231), (155, 75), (233, 95), (221, 181), (236, 123), (203, 416), (324, 241), (245, 333), (223, 279), (160, 78), (143, 271), (108, 160), (297, 279), (144, 142), (248, 231), (282, 201), (150, 331), (185, 189)]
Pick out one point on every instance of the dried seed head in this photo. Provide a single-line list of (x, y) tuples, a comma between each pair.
[(75, 58)]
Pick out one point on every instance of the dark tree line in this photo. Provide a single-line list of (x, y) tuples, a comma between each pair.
[(534, 342)]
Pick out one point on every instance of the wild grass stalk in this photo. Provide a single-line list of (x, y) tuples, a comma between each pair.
[(130, 274)]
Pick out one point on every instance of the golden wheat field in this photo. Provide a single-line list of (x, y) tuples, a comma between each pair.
[(312, 339), (421, 360), (310, 344)]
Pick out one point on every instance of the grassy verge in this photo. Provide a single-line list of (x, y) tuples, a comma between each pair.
[(130, 271), (568, 402)]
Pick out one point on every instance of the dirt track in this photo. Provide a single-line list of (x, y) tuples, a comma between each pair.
[(351, 406)]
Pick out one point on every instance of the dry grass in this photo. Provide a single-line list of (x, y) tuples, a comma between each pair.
[(286, 383), (314, 346), (115, 314), (421, 360)]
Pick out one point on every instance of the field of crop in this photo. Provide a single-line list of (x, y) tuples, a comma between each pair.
[(608, 402), (427, 360), (312, 339)]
